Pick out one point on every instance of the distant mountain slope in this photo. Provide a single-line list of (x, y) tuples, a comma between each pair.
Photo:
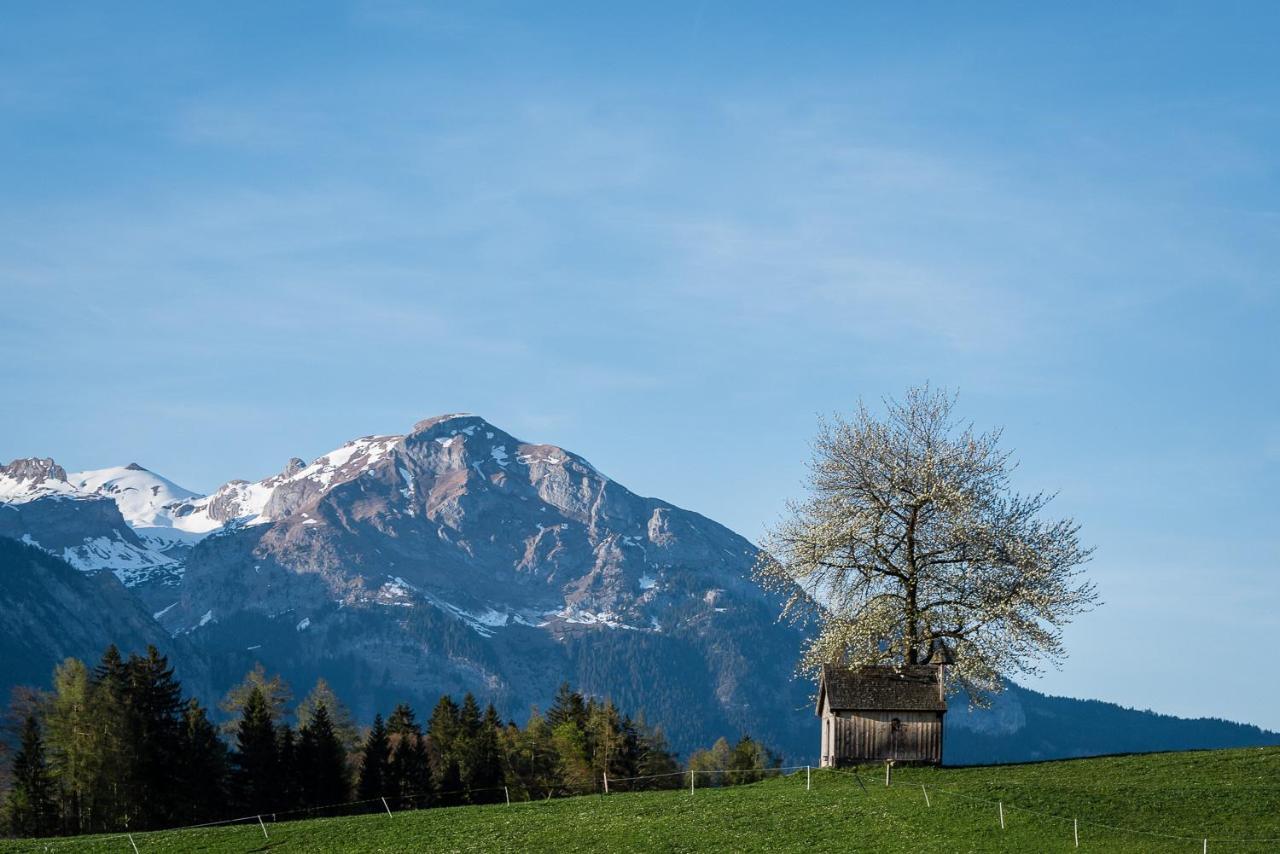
[(49, 611), (1024, 725)]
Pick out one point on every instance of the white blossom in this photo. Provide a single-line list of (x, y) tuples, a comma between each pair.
[(911, 536)]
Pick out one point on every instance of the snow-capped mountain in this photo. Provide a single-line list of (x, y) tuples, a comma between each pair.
[(79, 518), (458, 557), (144, 498), (453, 557), (159, 520)]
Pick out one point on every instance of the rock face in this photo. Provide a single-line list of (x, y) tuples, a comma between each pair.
[(459, 558)]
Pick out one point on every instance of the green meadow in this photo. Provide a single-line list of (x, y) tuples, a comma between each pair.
[(1147, 803)]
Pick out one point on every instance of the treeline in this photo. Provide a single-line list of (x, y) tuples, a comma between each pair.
[(118, 747)]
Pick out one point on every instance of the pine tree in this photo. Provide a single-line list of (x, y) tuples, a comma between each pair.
[(290, 768), (202, 768), (657, 762), (444, 738), (482, 759), (328, 780), (116, 792), (375, 764), (255, 776), (568, 706), (468, 720), (625, 761), (30, 808), (154, 738), (408, 773)]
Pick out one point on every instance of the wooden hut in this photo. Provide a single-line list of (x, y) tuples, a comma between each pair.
[(875, 714)]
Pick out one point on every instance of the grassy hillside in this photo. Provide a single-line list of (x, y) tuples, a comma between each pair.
[(1224, 795)]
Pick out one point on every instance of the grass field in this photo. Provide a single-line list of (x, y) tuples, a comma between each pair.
[(1223, 795)]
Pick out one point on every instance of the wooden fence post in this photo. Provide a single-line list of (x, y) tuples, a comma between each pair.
[(691, 773), (808, 778), (1075, 826), (264, 828), (926, 795), (386, 807), (606, 782), (507, 792), (1001, 804)]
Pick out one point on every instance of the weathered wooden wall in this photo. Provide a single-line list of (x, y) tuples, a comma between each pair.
[(870, 737)]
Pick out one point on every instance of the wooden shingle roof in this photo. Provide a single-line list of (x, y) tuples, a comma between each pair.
[(888, 689)]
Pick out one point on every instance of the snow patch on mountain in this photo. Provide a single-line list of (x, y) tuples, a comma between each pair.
[(244, 503), (145, 499)]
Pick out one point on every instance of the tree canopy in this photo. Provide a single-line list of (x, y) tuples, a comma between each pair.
[(912, 536)]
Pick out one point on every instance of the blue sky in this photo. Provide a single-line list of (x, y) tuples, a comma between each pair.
[(667, 238)]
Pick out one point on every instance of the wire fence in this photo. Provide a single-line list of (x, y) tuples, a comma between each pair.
[(607, 785)]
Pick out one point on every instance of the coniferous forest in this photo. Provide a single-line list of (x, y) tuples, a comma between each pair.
[(119, 747)]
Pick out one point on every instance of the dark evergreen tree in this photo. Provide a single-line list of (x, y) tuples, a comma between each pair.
[(116, 795), (568, 706), (256, 769), (468, 720), (481, 763), (201, 768), (408, 772), (290, 768), (444, 739), (327, 781), (153, 738), (375, 763), (656, 761), (30, 808), (625, 761)]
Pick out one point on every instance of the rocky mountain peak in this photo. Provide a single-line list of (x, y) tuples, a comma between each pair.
[(30, 478), (427, 424), (295, 465), (34, 469)]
